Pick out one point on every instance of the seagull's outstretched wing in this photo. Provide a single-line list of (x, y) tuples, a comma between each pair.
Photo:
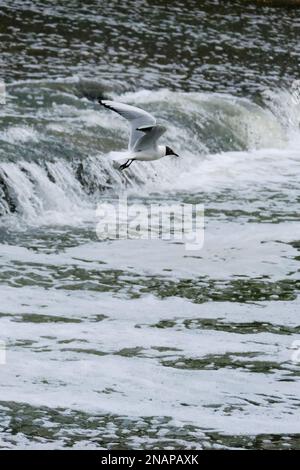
[(144, 132), (150, 138)]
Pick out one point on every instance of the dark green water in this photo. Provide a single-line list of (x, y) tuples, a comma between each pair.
[(141, 343)]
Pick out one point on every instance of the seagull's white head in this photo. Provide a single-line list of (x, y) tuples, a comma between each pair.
[(169, 151)]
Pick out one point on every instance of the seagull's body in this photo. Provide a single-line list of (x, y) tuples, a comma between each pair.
[(144, 134), (150, 153)]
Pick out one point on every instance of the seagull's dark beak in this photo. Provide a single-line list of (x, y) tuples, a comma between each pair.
[(170, 152)]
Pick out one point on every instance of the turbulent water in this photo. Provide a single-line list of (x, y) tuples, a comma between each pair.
[(140, 343)]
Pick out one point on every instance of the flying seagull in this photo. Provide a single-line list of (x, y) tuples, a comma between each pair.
[(144, 133)]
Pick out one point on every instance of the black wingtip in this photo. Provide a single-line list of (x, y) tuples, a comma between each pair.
[(101, 101)]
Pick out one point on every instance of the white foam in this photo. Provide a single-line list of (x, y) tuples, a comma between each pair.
[(18, 134), (158, 392)]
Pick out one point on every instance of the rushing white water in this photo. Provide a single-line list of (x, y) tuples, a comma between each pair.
[(139, 343), (130, 338), (200, 126)]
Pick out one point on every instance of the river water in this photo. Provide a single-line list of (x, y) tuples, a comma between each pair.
[(140, 343)]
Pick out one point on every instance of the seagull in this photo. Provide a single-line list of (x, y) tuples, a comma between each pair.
[(144, 133)]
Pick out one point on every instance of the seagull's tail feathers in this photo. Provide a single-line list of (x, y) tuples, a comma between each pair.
[(120, 157)]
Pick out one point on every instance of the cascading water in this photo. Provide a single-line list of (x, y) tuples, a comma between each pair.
[(142, 343), (55, 156)]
